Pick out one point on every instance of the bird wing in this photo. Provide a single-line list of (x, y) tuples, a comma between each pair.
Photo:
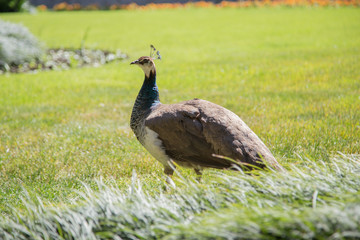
[(180, 129), (192, 131)]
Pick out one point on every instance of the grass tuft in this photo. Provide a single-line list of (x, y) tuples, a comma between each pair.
[(318, 201)]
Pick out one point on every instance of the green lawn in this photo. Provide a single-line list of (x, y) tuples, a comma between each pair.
[(292, 74)]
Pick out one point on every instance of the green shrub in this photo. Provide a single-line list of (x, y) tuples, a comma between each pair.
[(11, 5), (17, 45)]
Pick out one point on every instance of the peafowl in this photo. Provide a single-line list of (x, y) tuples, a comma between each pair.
[(194, 134)]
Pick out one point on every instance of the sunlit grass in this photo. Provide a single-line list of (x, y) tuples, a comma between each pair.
[(292, 74), (318, 201)]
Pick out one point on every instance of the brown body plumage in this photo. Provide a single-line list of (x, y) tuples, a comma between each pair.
[(194, 133)]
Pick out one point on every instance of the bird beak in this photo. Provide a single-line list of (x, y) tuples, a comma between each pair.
[(135, 62)]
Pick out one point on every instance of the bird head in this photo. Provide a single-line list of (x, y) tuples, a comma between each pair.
[(146, 64)]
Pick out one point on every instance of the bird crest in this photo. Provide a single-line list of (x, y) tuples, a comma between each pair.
[(154, 54)]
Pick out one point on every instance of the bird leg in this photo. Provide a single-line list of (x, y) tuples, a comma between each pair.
[(198, 174), (169, 172)]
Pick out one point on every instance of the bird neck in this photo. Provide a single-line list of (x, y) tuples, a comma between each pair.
[(147, 98), (149, 92)]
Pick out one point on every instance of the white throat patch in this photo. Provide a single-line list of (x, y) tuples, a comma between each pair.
[(147, 69)]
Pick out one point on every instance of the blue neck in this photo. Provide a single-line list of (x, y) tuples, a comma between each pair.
[(149, 93), (146, 99)]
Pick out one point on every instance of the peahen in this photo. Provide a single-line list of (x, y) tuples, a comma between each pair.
[(195, 134)]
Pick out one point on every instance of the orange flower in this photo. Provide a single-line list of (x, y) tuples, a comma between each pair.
[(130, 6), (69, 7), (41, 8), (113, 7), (76, 6), (60, 6), (206, 4), (92, 7), (203, 4)]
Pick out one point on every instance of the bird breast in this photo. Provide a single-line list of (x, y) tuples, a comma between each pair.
[(154, 145)]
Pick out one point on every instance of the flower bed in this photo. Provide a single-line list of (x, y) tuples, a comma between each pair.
[(63, 6), (60, 59)]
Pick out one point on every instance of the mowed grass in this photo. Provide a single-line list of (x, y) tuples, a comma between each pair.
[(292, 74)]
